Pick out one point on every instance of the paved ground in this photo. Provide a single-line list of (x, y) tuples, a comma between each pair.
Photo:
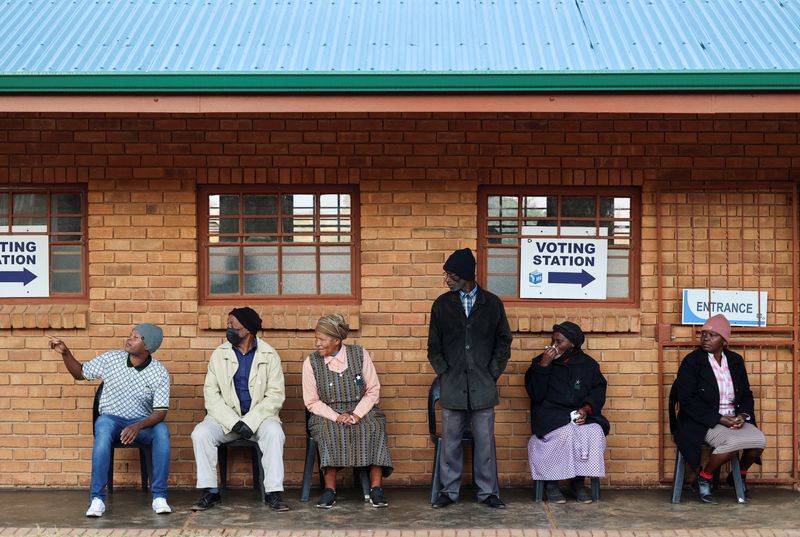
[(621, 513)]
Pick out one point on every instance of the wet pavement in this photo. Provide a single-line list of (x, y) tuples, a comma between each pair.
[(409, 513)]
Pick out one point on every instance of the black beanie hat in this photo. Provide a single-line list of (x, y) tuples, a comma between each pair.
[(249, 319), (572, 332), (462, 264)]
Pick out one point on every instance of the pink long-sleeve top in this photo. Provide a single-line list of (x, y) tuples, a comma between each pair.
[(338, 364)]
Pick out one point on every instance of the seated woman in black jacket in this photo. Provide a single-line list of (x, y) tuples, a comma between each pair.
[(567, 392), (716, 406)]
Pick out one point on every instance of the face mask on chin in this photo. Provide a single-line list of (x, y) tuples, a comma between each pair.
[(233, 337)]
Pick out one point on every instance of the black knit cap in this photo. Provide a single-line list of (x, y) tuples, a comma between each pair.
[(248, 317), (462, 264), (572, 332)]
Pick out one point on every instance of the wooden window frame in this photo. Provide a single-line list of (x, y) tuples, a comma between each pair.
[(634, 267), (206, 298), (78, 188)]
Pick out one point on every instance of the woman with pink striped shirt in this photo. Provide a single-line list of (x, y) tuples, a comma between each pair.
[(716, 407)]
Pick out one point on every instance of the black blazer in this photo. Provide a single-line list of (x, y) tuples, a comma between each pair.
[(697, 393), (565, 385), (469, 353)]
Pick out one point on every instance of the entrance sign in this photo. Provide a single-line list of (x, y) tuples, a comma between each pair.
[(570, 267), (24, 266), (741, 308)]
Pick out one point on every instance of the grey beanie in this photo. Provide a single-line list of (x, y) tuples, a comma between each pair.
[(151, 335)]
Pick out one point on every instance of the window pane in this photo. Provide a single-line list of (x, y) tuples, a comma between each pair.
[(297, 204), (334, 258), (224, 284), (329, 224), (299, 284), (227, 205), (618, 262), (334, 204), (261, 204), (539, 207), (66, 224), (615, 208), (299, 259), (66, 258), (3, 203), (66, 204), (299, 224), (261, 284), (502, 285), (65, 282), (29, 225), (223, 259), (263, 229), (503, 227), (578, 206), (502, 260), (617, 287), (30, 204), (503, 206), (261, 259), (335, 284)]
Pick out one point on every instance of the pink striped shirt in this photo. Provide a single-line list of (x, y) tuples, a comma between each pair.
[(724, 383), (337, 364)]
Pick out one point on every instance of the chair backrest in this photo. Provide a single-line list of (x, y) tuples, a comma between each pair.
[(434, 394), (96, 404), (673, 408)]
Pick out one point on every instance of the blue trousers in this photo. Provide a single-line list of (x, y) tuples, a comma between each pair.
[(107, 429)]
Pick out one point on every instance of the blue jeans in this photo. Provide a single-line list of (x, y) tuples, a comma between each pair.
[(107, 429)]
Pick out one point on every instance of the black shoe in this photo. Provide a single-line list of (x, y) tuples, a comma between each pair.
[(274, 500), (442, 501), (729, 481), (703, 488), (207, 501), (578, 488), (553, 493), (494, 502), (327, 500), (376, 497)]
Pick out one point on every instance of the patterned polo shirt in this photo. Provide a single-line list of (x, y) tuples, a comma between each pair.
[(129, 392)]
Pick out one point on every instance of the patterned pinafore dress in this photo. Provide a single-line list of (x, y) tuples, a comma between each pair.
[(363, 444)]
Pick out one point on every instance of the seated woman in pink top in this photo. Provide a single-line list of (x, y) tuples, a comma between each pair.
[(341, 389)]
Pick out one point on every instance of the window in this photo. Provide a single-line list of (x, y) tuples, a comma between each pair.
[(507, 215), (58, 214), (286, 243)]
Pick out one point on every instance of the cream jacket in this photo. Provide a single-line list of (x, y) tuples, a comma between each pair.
[(266, 386)]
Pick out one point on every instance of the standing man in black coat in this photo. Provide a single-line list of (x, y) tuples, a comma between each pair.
[(469, 344)]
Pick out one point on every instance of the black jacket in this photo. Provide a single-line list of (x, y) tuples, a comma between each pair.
[(469, 353), (565, 385), (698, 396)]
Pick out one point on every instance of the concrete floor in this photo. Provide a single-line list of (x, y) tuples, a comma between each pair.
[(621, 510)]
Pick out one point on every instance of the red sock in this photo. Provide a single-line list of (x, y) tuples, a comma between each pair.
[(743, 472), (704, 475)]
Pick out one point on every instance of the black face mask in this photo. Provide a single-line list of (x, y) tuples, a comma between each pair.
[(233, 337)]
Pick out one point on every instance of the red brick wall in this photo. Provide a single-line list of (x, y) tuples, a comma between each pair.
[(418, 176)]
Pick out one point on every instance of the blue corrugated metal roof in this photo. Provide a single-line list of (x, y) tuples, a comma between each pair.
[(478, 37)]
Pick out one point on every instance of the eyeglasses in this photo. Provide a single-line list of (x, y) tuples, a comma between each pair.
[(451, 276)]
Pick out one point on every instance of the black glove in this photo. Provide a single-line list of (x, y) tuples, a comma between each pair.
[(242, 430)]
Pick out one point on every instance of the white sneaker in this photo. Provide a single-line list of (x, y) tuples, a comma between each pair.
[(160, 506), (97, 508)]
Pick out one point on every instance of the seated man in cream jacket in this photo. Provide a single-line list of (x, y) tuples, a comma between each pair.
[(244, 393)]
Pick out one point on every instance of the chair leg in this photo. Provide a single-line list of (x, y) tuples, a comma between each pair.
[(146, 466), (436, 484), (538, 494), (308, 469), (222, 457), (258, 471), (361, 476), (677, 477), (595, 489), (110, 476), (737, 479)]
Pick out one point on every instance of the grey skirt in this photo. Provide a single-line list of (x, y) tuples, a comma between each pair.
[(725, 440)]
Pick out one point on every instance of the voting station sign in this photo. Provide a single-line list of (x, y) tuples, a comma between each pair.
[(24, 266), (566, 267), (741, 308)]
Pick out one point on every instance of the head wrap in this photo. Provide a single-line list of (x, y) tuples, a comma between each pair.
[(152, 336), (333, 325), (248, 317), (462, 264), (719, 324), (572, 332)]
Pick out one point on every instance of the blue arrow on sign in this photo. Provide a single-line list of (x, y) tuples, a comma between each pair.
[(23, 276), (582, 277)]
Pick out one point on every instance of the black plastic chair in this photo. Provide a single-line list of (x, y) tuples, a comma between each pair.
[(433, 396), (145, 451), (360, 475), (255, 454), (680, 463)]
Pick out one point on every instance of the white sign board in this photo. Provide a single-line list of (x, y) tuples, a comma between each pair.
[(741, 308), (24, 266), (562, 267)]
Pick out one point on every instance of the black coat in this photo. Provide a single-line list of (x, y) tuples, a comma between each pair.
[(697, 393), (471, 353), (565, 385)]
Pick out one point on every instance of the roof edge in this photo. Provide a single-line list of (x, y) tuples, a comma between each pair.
[(406, 82)]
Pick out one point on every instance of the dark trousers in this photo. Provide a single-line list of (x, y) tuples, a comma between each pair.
[(484, 452)]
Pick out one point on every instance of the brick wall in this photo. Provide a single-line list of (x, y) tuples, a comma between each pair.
[(418, 176)]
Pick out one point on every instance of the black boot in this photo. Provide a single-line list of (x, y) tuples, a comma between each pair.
[(703, 487)]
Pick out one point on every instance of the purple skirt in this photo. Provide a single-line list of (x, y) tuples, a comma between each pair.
[(569, 451)]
